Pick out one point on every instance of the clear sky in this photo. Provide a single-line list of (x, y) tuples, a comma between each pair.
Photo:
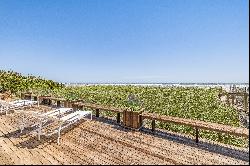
[(126, 40)]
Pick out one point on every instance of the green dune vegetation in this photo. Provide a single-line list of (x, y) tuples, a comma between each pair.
[(16, 83), (192, 102)]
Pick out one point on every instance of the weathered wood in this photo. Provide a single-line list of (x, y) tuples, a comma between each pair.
[(127, 118), (52, 98), (65, 104), (26, 96), (124, 117), (101, 107), (132, 119), (70, 104), (112, 147), (234, 93), (237, 131), (74, 107)]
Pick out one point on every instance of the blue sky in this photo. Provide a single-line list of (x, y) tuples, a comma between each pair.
[(126, 40)]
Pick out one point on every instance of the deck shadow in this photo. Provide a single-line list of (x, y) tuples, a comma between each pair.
[(208, 146), (214, 148), (112, 122), (33, 142), (17, 133)]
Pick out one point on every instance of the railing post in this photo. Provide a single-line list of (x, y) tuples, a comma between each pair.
[(75, 107), (153, 125), (118, 117), (245, 102), (97, 113), (58, 103), (38, 101), (44, 101), (65, 104), (233, 97), (227, 99), (49, 102), (196, 135), (140, 120)]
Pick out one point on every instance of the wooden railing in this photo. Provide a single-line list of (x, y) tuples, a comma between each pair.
[(233, 95), (139, 117), (237, 131), (97, 107)]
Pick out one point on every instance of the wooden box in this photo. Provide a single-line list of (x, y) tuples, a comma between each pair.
[(132, 119)]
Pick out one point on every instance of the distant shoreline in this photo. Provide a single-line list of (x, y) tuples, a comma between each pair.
[(160, 83)]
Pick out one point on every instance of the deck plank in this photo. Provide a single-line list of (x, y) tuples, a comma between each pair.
[(96, 142)]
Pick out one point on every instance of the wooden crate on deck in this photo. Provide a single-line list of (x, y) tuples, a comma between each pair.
[(132, 119)]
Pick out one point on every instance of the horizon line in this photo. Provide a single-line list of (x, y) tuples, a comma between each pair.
[(156, 82)]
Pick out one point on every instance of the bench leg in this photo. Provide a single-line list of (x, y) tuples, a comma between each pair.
[(22, 125), (39, 131), (59, 134)]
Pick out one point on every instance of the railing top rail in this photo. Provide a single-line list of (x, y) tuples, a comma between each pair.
[(235, 93), (238, 131), (101, 107), (52, 98)]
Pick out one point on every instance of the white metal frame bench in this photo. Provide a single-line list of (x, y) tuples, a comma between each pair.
[(64, 122), (42, 118), (13, 105)]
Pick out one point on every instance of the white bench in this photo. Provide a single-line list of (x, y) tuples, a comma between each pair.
[(64, 122), (41, 117)]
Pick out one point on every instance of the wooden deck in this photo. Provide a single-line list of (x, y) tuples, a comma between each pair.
[(101, 142)]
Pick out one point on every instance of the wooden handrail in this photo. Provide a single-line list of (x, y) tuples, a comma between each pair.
[(237, 131), (234, 93), (52, 98), (100, 107)]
